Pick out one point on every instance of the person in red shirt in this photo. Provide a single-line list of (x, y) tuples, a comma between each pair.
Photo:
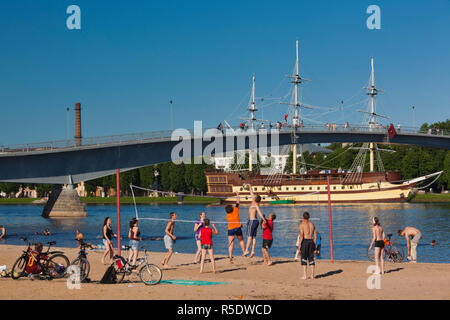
[(207, 244), (267, 237)]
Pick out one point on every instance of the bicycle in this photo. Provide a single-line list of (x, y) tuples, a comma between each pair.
[(52, 264), (82, 262), (391, 252), (149, 274)]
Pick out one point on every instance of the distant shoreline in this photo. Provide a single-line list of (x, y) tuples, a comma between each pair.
[(417, 198)]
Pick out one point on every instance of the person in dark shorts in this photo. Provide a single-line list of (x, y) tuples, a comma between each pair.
[(234, 227), (378, 237), (267, 237), (206, 238), (307, 244)]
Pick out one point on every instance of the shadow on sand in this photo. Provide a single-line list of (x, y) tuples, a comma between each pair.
[(329, 273)]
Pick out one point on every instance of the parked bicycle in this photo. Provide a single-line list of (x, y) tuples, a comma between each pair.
[(391, 252), (51, 264), (82, 262), (149, 274)]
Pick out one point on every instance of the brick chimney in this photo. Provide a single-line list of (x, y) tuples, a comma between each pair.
[(78, 124)]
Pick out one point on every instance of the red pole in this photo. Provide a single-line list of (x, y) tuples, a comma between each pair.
[(330, 227), (118, 209)]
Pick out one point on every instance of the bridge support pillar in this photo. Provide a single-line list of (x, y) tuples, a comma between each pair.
[(64, 203)]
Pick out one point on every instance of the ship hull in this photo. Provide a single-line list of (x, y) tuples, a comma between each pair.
[(308, 191)]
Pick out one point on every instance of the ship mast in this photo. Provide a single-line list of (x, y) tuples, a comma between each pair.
[(296, 80), (252, 119)]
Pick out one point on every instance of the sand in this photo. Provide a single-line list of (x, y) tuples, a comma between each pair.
[(247, 279)]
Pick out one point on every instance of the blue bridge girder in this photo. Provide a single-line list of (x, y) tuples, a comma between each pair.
[(66, 162)]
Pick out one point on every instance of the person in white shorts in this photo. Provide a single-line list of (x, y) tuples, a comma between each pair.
[(169, 239)]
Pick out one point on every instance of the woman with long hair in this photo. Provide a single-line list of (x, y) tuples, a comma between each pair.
[(199, 224), (107, 240), (134, 236), (378, 240)]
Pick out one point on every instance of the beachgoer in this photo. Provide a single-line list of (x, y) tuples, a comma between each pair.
[(307, 244), (207, 244), (298, 245), (79, 237), (378, 237), (415, 235), (267, 227), (252, 223), (3, 232), (197, 229), (169, 239), (107, 240), (318, 244), (433, 243), (134, 236), (234, 227), (46, 232)]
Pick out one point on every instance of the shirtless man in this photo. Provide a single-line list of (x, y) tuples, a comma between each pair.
[(2, 232), (252, 223), (415, 235), (307, 243)]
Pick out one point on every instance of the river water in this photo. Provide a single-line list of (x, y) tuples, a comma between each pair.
[(351, 227)]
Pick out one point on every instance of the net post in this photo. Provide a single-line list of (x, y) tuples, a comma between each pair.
[(118, 209), (330, 227)]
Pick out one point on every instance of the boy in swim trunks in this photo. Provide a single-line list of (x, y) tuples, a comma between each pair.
[(252, 224), (267, 237), (307, 244), (169, 239), (205, 236), (234, 227)]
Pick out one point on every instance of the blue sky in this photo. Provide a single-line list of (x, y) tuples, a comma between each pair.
[(131, 57)]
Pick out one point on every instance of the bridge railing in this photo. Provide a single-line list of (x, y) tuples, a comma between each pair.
[(167, 134)]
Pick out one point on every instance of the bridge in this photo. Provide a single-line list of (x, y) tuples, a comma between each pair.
[(73, 161)]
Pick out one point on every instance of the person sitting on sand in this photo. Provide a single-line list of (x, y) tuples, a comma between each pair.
[(307, 244), (169, 239), (252, 223), (2, 232), (234, 227), (207, 244), (267, 237), (412, 244)]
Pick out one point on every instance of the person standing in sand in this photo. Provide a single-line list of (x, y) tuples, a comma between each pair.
[(267, 237), (234, 227), (378, 240), (415, 235), (252, 224), (307, 244), (207, 244), (197, 229), (107, 240), (169, 239)]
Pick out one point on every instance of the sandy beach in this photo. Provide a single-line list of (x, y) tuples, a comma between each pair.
[(246, 279)]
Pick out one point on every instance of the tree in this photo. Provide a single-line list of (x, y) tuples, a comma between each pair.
[(9, 188)]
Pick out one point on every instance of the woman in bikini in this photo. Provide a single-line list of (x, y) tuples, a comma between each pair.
[(107, 240), (378, 240), (197, 229), (134, 236)]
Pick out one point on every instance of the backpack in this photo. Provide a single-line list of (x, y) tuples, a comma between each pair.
[(109, 276)]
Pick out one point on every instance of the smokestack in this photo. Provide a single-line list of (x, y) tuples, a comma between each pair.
[(78, 124)]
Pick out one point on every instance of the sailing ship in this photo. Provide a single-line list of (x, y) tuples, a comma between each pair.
[(311, 186)]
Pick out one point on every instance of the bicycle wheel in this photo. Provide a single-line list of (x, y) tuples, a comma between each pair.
[(397, 254), (371, 254), (84, 266), (150, 274), (18, 269), (120, 272), (57, 265)]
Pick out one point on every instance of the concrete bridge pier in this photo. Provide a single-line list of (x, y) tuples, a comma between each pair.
[(64, 203)]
